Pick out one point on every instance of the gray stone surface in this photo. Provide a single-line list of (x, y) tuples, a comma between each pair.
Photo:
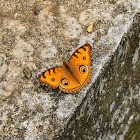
[(113, 101), (37, 35)]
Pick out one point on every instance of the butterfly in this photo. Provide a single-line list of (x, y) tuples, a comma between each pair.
[(73, 75)]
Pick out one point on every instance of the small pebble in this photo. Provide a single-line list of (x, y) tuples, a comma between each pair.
[(90, 28), (37, 11), (27, 73)]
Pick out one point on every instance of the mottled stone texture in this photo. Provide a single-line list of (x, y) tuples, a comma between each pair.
[(113, 101), (36, 35)]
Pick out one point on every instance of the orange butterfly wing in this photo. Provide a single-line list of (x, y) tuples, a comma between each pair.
[(81, 56), (52, 77), (77, 71), (68, 83), (72, 76), (55, 77), (80, 64), (82, 73)]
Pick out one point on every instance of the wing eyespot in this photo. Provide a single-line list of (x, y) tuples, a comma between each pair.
[(65, 82), (53, 79), (82, 69), (84, 57)]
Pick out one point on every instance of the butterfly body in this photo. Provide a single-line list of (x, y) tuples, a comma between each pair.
[(72, 76)]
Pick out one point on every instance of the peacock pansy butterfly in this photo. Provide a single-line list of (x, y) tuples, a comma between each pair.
[(72, 76)]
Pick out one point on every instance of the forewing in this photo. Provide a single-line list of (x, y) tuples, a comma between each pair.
[(52, 77), (81, 56)]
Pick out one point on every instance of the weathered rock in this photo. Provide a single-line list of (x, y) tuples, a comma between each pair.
[(37, 35), (112, 102)]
